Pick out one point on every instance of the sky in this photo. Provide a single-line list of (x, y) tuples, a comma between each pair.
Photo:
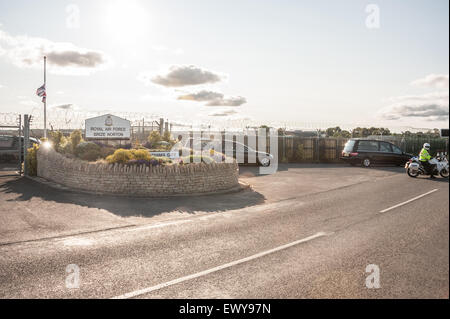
[(293, 63)]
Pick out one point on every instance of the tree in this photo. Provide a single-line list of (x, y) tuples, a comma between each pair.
[(345, 134), (154, 138), (75, 138), (167, 136), (407, 133), (365, 132), (386, 131), (357, 132), (333, 131), (436, 132)]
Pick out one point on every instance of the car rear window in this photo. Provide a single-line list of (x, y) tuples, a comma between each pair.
[(368, 146), (385, 147), (396, 150), (349, 146)]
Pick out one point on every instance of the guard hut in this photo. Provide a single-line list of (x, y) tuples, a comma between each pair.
[(108, 129)]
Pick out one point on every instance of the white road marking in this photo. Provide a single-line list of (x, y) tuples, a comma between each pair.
[(221, 267), (158, 225), (78, 242), (408, 201)]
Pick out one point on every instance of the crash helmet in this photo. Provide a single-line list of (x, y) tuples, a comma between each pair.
[(426, 146)]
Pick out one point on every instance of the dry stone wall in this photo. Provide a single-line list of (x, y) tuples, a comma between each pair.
[(196, 178)]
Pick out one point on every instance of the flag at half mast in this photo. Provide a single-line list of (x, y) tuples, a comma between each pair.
[(41, 93)]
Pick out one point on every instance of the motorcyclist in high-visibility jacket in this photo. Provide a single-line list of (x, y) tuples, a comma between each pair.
[(424, 158)]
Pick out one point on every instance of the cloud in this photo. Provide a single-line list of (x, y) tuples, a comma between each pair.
[(213, 98), (62, 57), (441, 97), (439, 81), (64, 107), (75, 57), (179, 76), (425, 111), (231, 101), (433, 106), (1, 86), (430, 106), (202, 96), (223, 113)]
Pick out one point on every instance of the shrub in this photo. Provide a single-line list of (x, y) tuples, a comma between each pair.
[(167, 137), (106, 151), (141, 154), (126, 146), (133, 157), (67, 148), (88, 151), (58, 140), (153, 161), (31, 160), (162, 160), (120, 156), (154, 138), (75, 139), (101, 144), (196, 159)]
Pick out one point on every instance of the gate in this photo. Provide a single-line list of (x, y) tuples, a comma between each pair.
[(11, 143)]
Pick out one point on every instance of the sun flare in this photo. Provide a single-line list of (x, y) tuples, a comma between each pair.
[(126, 20)]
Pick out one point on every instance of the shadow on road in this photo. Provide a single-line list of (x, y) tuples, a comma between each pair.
[(437, 179), (26, 189), (253, 171)]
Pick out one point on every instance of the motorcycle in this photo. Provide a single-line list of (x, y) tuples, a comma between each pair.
[(415, 168)]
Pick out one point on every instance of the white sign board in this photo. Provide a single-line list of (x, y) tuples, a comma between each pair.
[(107, 127), (171, 155)]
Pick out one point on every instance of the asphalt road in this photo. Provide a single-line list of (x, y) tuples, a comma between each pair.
[(305, 232)]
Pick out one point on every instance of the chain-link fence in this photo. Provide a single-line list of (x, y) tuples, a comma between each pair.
[(294, 149), (291, 148), (413, 144)]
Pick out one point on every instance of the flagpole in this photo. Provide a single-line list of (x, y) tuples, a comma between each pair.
[(45, 100)]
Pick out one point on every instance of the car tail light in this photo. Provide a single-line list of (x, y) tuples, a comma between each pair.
[(353, 154)]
